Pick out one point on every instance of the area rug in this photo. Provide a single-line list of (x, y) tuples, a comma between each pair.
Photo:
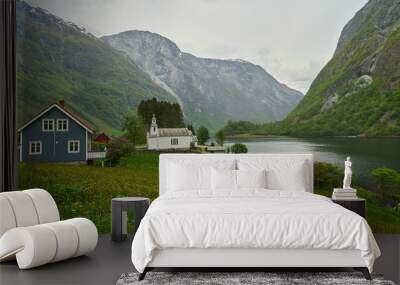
[(269, 278)]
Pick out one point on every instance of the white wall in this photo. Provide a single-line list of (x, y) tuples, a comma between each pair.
[(165, 143)]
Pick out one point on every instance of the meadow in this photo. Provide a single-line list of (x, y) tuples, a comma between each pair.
[(86, 191)]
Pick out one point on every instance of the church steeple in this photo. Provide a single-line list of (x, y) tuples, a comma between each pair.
[(154, 127)]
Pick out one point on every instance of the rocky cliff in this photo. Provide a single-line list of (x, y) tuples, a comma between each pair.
[(211, 91)]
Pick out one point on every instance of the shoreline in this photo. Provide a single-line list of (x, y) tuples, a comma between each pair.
[(253, 136)]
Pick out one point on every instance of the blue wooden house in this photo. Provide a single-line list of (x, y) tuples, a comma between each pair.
[(56, 135)]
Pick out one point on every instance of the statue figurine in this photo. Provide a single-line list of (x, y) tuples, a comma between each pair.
[(347, 174)]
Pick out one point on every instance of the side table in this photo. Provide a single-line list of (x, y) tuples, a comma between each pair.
[(356, 205), (119, 213)]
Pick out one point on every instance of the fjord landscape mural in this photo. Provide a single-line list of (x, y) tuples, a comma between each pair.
[(120, 86)]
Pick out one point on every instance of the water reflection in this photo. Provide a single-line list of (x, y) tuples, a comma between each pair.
[(366, 153)]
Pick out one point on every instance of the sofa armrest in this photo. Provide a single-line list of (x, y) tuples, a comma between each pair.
[(40, 244), (32, 246)]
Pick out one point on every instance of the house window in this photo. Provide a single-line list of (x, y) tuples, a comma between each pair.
[(48, 125), (174, 141), (73, 147), (62, 125), (35, 147)]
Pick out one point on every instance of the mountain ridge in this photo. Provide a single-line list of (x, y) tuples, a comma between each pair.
[(57, 60), (356, 75), (357, 93), (207, 84)]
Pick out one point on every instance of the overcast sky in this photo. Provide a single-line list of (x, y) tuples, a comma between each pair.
[(291, 39)]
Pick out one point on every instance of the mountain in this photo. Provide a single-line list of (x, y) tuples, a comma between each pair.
[(358, 91), (59, 60), (211, 91)]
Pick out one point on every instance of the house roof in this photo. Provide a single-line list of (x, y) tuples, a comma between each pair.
[(101, 135), (66, 111), (173, 132)]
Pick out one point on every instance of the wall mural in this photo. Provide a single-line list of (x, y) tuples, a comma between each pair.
[(97, 106)]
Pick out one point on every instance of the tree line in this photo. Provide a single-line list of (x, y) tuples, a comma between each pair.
[(168, 115)]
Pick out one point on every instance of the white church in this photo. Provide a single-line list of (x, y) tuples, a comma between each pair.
[(169, 138)]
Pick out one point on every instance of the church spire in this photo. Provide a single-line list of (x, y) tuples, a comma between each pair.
[(154, 127)]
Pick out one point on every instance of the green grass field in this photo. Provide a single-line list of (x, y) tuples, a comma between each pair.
[(86, 191)]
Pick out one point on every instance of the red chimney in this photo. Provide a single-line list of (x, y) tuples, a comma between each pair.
[(61, 103)]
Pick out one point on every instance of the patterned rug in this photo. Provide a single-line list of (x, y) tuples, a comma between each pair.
[(269, 278)]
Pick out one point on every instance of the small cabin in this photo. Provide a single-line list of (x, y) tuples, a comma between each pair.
[(56, 135), (101, 138)]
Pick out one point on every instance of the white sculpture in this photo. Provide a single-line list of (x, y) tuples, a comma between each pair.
[(347, 174)]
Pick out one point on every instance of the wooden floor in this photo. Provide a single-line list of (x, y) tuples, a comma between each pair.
[(110, 260)]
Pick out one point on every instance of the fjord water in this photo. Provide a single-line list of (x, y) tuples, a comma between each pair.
[(366, 153)]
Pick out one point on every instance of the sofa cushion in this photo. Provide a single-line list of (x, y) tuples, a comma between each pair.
[(23, 208), (46, 207), (67, 240), (41, 244), (87, 233), (7, 220), (30, 230), (32, 246)]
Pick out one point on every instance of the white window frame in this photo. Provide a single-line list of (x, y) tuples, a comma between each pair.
[(74, 141), (62, 129), (35, 152), (48, 125), (174, 140)]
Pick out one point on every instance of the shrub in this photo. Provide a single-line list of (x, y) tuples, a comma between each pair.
[(202, 135), (134, 129), (220, 137), (387, 182), (238, 148), (118, 149), (327, 176)]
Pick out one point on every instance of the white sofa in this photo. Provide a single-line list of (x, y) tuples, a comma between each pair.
[(31, 231)]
